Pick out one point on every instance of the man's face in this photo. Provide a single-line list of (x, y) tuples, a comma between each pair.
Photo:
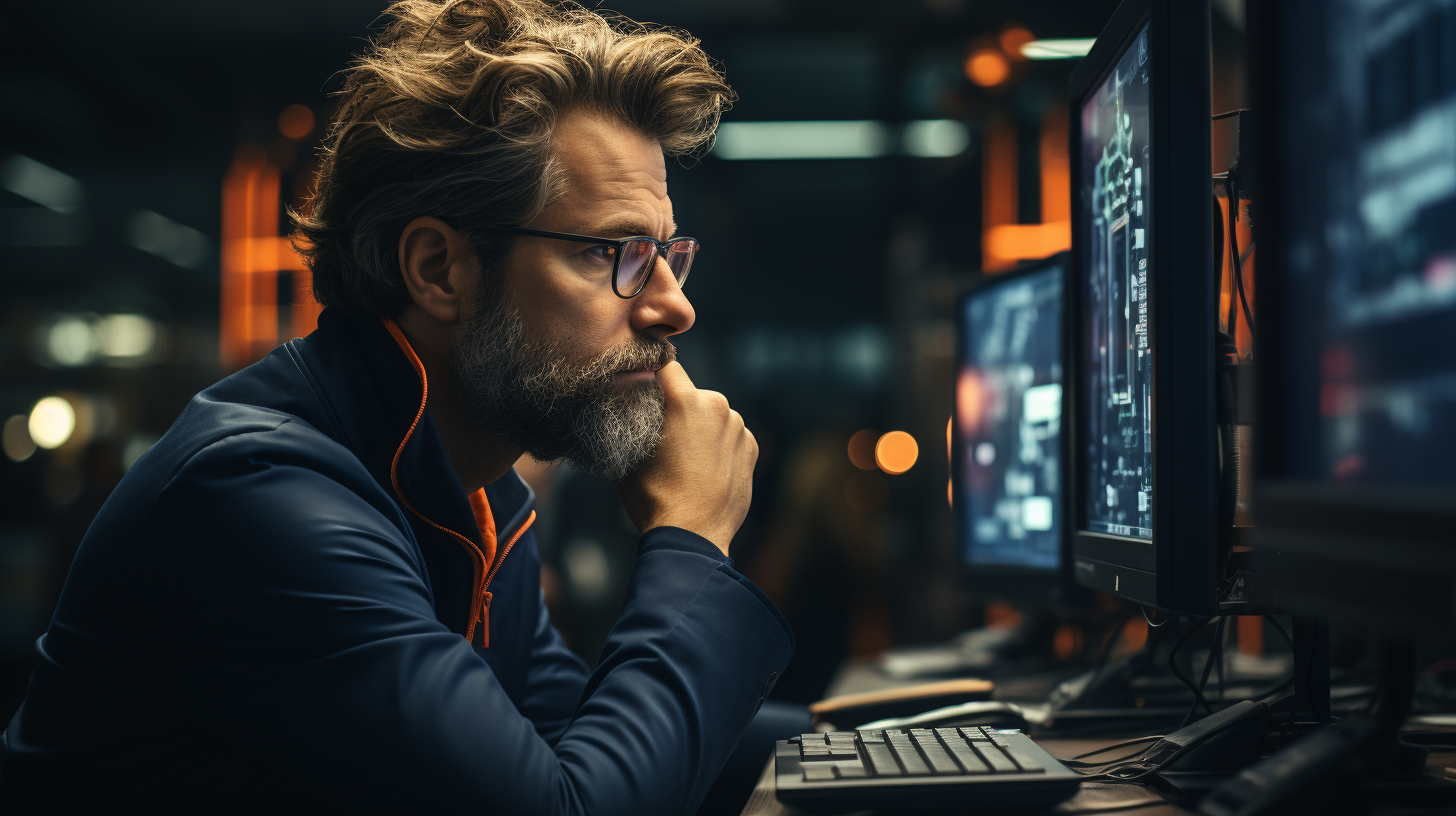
[(551, 359)]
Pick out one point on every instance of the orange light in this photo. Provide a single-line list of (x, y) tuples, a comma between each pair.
[(1056, 166), (1135, 634), (987, 67), (250, 211), (1002, 615), (896, 452), (1251, 635), (998, 185), (1012, 37), (296, 121), (862, 449), (948, 424), (1067, 641), (1011, 242), (970, 399)]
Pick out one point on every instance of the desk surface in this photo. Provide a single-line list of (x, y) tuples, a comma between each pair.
[(1094, 796), (1098, 797)]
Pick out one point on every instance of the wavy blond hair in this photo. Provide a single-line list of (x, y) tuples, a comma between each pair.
[(451, 111)]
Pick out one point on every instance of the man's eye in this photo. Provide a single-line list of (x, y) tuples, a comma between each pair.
[(602, 254)]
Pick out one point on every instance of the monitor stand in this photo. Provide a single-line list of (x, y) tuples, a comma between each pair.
[(1313, 750), (1356, 763)]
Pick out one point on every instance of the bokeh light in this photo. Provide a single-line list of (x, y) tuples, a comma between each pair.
[(51, 423), (296, 121), (16, 439), (970, 400), (896, 452), (988, 67), (70, 341), (1012, 38), (126, 336), (862, 449)]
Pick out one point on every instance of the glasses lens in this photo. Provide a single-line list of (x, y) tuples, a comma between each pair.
[(636, 263), (680, 256)]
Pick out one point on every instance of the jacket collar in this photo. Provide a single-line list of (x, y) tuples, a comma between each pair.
[(372, 398)]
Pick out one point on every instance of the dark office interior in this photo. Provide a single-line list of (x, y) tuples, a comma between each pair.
[(1241, 521)]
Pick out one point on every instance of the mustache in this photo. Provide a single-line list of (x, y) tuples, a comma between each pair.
[(641, 354)]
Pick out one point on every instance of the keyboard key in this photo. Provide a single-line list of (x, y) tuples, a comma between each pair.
[(999, 762), (935, 754), (882, 759), (807, 739), (875, 736), (818, 772), (961, 750), (909, 758), (848, 770)]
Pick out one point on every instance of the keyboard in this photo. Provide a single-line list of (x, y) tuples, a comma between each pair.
[(989, 770)]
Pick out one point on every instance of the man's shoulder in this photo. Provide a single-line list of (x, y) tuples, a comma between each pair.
[(220, 446)]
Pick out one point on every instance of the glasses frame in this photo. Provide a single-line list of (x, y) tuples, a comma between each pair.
[(620, 244)]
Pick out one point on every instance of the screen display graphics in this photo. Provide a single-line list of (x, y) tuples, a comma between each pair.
[(1116, 367), (1369, 157), (1009, 410)]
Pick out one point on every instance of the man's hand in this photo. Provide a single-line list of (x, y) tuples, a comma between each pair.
[(700, 478)]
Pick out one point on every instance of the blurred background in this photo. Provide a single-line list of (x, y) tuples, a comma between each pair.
[(882, 155)]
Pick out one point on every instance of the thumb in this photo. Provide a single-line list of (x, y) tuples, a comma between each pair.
[(675, 383)]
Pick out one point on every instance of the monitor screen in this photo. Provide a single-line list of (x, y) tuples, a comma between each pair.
[(1009, 410), (1368, 163), (1116, 373)]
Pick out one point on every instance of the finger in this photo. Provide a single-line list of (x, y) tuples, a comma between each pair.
[(675, 382)]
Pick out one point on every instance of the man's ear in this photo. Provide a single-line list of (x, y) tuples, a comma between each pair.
[(440, 268)]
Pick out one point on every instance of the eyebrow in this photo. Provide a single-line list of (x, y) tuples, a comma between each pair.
[(629, 229)]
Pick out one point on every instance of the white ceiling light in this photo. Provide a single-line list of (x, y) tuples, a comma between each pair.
[(802, 140), (42, 184), (165, 238), (1057, 49), (846, 139), (936, 138)]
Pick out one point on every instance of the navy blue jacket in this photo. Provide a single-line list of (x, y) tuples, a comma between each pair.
[(272, 609)]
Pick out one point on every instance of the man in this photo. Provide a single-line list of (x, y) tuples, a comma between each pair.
[(321, 588)]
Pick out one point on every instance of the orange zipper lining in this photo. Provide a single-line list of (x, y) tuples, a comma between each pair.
[(477, 558)]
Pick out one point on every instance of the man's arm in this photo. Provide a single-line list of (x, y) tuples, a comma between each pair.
[(306, 637), (555, 679)]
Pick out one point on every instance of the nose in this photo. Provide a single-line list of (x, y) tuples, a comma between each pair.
[(661, 308)]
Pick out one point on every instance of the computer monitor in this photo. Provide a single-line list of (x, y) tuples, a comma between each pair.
[(1006, 441), (1142, 437), (1355, 501)]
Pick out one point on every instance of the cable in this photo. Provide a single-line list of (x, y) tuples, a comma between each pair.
[(1173, 665), (1150, 620), (1117, 746), (1218, 630), (1231, 185)]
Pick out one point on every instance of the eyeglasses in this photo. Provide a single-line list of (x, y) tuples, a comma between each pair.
[(633, 259)]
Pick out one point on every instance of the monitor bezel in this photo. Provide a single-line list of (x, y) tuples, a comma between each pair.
[(1175, 570), (1052, 588), (1379, 553)]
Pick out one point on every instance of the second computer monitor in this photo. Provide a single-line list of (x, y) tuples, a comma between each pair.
[(1142, 439), (1006, 435)]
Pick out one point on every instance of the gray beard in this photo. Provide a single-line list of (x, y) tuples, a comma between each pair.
[(535, 396)]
